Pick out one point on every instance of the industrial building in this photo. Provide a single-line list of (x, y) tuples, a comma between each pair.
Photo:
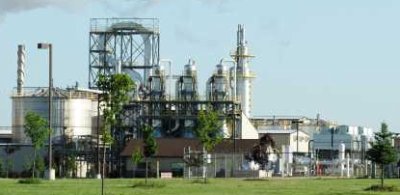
[(168, 102)]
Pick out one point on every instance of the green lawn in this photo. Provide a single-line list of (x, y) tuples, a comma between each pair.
[(274, 186)]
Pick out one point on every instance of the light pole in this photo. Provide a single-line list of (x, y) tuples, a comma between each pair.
[(48, 46)]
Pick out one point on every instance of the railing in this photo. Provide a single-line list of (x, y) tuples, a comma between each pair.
[(137, 24)]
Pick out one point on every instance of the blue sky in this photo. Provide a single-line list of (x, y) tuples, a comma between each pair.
[(337, 58)]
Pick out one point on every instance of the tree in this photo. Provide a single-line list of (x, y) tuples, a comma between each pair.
[(208, 131), (149, 145), (115, 90), (136, 158), (36, 129), (382, 152), (260, 152)]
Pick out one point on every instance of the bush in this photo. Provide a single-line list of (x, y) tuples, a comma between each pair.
[(255, 179), (148, 185), (379, 188), (30, 181)]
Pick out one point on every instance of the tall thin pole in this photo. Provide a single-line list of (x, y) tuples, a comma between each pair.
[(297, 137), (98, 137), (332, 131), (50, 109)]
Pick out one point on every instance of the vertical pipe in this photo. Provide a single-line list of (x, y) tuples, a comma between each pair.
[(21, 68)]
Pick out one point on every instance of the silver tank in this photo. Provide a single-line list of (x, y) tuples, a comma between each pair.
[(190, 68), (74, 112)]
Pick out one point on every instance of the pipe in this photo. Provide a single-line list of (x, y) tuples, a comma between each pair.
[(169, 76), (21, 68)]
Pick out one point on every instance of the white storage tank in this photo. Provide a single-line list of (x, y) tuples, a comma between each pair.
[(74, 112)]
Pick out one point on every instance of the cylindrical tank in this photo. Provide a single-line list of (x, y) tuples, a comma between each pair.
[(77, 117), (37, 103), (186, 85), (342, 148), (217, 87), (156, 83), (190, 68), (73, 112)]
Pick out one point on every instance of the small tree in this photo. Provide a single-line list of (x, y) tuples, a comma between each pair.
[(150, 145), (115, 90), (260, 152), (136, 158), (36, 129), (382, 152), (208, 131)]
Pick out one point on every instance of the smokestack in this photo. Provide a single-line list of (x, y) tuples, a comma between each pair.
[(21, 68)]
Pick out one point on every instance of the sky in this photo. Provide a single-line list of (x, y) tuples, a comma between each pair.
[(336, 58)]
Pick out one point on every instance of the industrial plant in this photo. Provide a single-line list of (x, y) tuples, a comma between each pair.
[(170, 104)]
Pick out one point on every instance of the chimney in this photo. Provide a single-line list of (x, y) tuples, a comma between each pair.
[(21, 69)]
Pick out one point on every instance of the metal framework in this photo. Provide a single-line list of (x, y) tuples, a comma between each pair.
[(142, 112), (122, 44)]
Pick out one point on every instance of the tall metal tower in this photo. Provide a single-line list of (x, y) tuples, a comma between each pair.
[(243, 74), (123, 45)]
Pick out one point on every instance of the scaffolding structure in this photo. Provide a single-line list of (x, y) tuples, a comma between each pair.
[(123, 45)]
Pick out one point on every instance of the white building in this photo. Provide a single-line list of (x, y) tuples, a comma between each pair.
[(297, 141), (355, 138)]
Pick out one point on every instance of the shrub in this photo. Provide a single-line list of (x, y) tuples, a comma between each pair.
[(30, 181), (148, 185), (382, 188)]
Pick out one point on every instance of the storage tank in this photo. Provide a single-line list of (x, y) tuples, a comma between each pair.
[(217, 86), (74, 112), (156, 83), (33, 100), (186, 85)]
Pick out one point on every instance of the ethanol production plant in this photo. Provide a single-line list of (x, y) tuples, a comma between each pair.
[(167, 102), (131, 46)]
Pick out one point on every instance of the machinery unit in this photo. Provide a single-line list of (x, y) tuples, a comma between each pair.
[(156, 83), (186, 90), (186, 85), (218, 84), (217, 89)]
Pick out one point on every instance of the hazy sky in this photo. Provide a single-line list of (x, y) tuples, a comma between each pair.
[(338, 58)]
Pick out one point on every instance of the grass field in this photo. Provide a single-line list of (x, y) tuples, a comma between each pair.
[(274, 186)]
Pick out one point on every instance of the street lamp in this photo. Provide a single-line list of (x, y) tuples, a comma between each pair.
[(48, 46)]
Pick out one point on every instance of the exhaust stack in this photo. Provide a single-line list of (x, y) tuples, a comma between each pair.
[(21, 68)]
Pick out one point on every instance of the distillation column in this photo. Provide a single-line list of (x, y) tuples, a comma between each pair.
[(244, 76)]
